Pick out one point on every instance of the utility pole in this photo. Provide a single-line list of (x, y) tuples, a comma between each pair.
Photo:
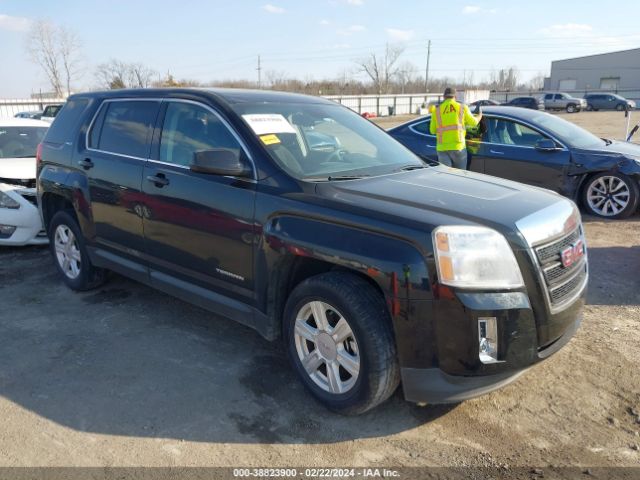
[(426, 73), (259, 69)]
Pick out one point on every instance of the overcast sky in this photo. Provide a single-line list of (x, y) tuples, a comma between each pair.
[(216, 40)]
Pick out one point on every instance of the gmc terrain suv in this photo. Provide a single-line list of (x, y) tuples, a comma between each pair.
[(297, 217)]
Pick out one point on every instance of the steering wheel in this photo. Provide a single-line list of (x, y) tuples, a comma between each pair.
[(336, 156)]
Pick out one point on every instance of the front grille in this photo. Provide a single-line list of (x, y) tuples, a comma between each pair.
[(562, 283)]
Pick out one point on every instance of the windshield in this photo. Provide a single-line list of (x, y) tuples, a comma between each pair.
[(325, 142), (569, 133), (18, 142)]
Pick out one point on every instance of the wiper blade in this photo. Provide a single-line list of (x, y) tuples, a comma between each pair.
[(335, 178), (407, 168), (607, 141)]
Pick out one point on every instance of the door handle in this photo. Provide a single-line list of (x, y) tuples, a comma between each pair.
[(158, 180), (496, 152), (86, 163)]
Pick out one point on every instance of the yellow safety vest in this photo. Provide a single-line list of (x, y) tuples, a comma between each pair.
[(450, 125)]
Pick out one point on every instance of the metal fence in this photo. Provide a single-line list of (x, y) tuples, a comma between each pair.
[(383, 105), (628, 93), (9, 107)]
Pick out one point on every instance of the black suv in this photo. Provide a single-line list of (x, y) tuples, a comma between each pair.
[(297, 217)]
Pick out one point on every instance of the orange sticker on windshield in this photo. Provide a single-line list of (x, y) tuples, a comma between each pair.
[(269, 139)]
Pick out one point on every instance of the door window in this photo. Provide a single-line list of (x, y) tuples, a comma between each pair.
[(190, 128), (507, 132), (126, 127), (422, 127)]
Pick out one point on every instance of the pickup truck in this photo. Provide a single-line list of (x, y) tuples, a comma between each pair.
[(297, 217), (564, 101)]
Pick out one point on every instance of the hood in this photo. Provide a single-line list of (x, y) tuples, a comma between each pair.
[(18, 168), (625, 148), (443, 196)]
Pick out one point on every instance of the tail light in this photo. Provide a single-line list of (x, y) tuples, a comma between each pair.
[(38, 156)]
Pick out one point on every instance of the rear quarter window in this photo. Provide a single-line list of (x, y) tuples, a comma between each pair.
[(66, 122)]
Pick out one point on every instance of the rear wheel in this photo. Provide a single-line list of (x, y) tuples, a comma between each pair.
[(339, 339), (611, 195), (70, 253)]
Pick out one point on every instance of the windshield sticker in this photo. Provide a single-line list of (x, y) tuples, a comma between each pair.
[(263, 123), (270, 139)]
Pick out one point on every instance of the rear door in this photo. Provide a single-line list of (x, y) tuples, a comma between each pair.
[(508, 151), (198, 227), (118, 144)]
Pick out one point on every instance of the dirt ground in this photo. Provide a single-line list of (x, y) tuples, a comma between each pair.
[(127, 376)]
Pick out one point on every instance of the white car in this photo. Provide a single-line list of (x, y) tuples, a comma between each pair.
[(20, 221)]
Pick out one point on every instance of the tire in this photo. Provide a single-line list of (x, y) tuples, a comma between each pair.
[(610, 195), (589, 107), (571, 108), (348, 300), (70, 255), (620, 107)]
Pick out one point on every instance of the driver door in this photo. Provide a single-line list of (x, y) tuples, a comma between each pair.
[(509, 151)]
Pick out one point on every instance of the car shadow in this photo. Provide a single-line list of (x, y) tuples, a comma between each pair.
[(128, 360)]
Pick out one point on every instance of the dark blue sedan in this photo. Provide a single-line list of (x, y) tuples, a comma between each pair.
[(544, 150)]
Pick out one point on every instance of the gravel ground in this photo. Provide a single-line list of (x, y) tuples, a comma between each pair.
[(127, 376)]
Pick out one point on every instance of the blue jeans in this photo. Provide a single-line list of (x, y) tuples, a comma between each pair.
[(454, 158)]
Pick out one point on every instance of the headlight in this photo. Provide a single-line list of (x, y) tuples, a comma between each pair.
[(475, 257), (7, 202)]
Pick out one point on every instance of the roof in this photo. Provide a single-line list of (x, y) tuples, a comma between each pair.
[(520, 113), (226, 95), (22, 122), (631, 50)]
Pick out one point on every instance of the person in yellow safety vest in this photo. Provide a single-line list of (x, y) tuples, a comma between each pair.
[(448, 124)]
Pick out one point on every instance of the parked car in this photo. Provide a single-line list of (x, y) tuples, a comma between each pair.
[(563, 101), (526, 102), (20, 222), (484, 103), (545, 151), (371, 266), (34, 114), (608, 101), (50, 112)]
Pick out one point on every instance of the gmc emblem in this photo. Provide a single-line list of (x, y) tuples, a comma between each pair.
[(572, 254)]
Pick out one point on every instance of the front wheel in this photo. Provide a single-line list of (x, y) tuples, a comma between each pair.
[(339, 339), (571, 108), (620, 107), (611, 195), (70, 253)]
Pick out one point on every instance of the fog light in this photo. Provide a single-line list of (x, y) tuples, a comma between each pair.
[(6, 231), (488, 339)]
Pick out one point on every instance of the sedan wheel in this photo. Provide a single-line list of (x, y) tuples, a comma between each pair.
[(67, 252), (611, 195), (327, 347)]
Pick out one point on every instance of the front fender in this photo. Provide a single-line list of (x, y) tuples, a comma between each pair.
[(396, 266)]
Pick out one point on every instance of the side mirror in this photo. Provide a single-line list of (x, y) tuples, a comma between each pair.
[(546, 145), (220, 161)]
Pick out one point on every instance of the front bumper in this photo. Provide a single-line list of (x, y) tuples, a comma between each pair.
[(432, 385), (26, 219)]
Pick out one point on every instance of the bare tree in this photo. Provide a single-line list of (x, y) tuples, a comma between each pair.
[(58, 51), (405, 73), (116, 74), (537, 82), (381, 68)]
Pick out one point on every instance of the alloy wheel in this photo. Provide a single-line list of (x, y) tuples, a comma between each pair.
[(67, 251), (608, 196), (327, 347)]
